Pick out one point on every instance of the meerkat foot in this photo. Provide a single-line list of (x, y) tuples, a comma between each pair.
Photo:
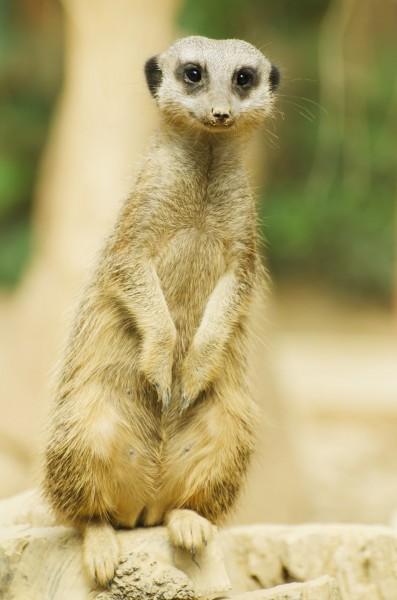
[(189, 530), (100, 552)]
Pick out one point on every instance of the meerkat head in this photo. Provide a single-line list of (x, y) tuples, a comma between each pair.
[(216, 85)]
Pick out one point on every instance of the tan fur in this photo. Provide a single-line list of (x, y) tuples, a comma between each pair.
[(153, 421)]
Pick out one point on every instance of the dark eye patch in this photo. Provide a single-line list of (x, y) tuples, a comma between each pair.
[(192, 75), (244, 79)]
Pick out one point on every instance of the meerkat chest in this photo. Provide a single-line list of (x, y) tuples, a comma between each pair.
[(189, 264), (199, 220)]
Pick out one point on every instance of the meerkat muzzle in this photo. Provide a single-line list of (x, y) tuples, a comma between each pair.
[(220, 115)]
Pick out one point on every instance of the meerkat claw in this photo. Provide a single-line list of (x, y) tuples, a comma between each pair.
[(184, 403), (166, 398), (164, 395)]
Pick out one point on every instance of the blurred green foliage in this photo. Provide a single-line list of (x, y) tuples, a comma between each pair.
[(329, 164), (30, 57), (329, 194)]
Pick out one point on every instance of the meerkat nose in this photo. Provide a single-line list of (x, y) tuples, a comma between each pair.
[(221, 114)]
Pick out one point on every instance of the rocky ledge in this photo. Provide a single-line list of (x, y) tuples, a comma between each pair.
[(40, 560)]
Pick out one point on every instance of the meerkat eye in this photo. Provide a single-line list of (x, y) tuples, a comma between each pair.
[(192, 74), (244, 77)]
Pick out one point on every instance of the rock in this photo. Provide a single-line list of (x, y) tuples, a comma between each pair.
[(41, 563), (361, 558), (323, 588), (152, 568), (40, 560)]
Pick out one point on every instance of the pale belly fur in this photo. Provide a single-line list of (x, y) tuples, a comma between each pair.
[(188, 268), (157, 459)]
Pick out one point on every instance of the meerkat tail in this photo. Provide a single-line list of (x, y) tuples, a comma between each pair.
[(187, 529), (101, 552)]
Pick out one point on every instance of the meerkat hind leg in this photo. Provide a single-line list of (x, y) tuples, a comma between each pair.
[(101, 552), (188, 530)]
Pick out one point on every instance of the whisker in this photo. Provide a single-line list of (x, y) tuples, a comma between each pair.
[(302, 79), (306, 100), (274, 135), (304, 111), (271, 143)]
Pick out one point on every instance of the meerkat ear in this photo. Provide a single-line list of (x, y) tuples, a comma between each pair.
[(154, 75), (274, 78)]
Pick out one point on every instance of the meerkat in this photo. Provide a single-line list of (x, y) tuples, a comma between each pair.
[(153, 421)]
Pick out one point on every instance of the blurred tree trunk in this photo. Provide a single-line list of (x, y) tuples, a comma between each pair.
[(100, 128)]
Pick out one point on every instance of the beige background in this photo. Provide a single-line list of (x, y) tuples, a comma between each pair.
[(325, 373)]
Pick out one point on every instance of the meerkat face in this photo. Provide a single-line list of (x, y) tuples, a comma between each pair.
[(216, 85)]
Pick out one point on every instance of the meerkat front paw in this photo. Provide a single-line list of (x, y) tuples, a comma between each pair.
[(188, 530), (194, 378), (156, 363), (100, 552)]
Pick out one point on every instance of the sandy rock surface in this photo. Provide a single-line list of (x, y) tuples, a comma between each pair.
[(361, 558), (42, 561), (323, 588)]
